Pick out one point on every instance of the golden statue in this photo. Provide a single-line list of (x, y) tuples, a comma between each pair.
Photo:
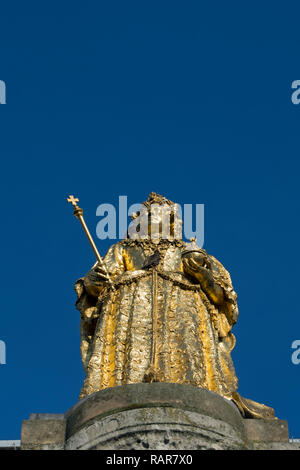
[(158, 309)]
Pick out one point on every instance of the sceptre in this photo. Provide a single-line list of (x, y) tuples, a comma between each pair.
[(78, 212)]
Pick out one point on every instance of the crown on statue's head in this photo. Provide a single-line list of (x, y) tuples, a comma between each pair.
[(153, 198)]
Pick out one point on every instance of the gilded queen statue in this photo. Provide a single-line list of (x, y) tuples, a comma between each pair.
[(167, 315)]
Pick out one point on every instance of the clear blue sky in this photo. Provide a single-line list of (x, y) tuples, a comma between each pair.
[(191, 100)]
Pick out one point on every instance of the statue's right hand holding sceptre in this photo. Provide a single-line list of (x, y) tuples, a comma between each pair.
[(94, 280)]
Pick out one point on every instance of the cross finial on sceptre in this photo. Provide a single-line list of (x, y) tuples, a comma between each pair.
[(73, 200)]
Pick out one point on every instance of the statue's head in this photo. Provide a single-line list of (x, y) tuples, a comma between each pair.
[(158, 218)]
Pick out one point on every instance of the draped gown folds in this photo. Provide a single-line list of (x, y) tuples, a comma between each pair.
[(159, 325)]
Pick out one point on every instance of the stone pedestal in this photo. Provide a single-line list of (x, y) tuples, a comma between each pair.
[(154, 416)]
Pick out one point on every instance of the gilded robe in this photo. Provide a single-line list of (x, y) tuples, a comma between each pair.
[(159, 325), (158, 321)]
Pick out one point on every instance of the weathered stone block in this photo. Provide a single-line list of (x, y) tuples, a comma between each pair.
[(146, 395), (155, 416), (156, 428), (43, 432), (267, 430)]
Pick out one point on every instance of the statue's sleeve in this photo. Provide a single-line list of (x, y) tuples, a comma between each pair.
[(88, 304)]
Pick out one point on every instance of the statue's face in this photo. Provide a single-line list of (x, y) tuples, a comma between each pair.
[(163, 222), (158, 222)]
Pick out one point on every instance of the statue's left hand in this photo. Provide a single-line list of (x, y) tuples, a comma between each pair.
[(196, 259), (194, 264)]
